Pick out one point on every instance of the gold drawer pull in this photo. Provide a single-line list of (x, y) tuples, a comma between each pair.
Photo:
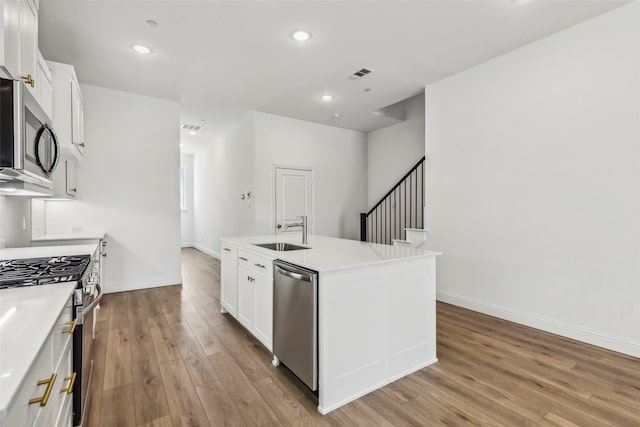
[(251, 279), (260, 265), (227, 249), (243, 258), (72, 380), (72, 327), (45, 397)]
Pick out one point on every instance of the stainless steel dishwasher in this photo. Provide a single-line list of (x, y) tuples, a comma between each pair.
[(295, 321)]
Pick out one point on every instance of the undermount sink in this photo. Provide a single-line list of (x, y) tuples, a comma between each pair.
[(280, 246)]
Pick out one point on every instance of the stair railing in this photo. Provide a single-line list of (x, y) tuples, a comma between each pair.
[(400, 208)]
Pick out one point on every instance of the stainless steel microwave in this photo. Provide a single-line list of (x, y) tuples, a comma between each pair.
[(29, 149)]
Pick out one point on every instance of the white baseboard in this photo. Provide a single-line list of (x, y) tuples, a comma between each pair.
[(579, 333), (135, 285), (207, 251), (187, 245)]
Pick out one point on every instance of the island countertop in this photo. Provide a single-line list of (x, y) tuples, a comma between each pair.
[(27, 316), (329, 253)]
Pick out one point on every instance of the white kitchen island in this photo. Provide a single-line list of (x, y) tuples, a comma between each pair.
[(376, 308)]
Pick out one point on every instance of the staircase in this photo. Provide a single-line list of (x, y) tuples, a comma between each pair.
[(395, 218)]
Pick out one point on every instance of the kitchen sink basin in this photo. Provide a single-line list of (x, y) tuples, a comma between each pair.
[(280, 246)]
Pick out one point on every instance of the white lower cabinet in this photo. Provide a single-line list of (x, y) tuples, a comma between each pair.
[(45, 391), (229, 280), (248, 278)]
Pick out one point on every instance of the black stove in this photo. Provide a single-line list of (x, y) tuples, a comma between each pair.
[(42, 271)]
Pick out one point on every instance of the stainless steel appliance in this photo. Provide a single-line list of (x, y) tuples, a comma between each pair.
[(29, 149), (46, 271), (295, 320)]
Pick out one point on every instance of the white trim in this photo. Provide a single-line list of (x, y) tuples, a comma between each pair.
[(142, 284), (207, 251), (187, 245), (579, 333)]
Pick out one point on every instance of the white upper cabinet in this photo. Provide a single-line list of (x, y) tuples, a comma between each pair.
[(68, 109), (44, 88), (19, 41), (10, 39), (28, 44)]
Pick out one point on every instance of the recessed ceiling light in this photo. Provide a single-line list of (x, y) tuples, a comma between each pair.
[(152, 23), (193, 132), (142, 49), (367, 89), (327, 97), (301, 35), (180, 145), (337, 115)]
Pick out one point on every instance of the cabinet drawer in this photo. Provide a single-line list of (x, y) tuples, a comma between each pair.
[(22, 413), (257, 263), (62, 332)]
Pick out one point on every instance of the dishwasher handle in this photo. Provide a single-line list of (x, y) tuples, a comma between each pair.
[(293, 275)]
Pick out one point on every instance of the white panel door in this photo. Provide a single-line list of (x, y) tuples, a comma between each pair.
[(294, 198)]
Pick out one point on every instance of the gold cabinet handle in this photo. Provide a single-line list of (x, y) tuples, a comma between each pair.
[(71, 328), (226, 249), (251, 279), (79, 144), (29, 80), (243, 258), (45, 397), (72, 380), (260, 265), (104, 255)]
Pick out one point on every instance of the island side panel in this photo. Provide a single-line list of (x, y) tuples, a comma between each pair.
[(352, 328), (376, 324), (412, 317)]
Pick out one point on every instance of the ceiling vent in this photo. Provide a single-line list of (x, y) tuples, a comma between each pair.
[(362, 72), (191, 128)]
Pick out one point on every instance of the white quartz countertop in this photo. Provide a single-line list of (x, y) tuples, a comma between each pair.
[(47, 251), (329, 253), (27, 316), (84, 235)]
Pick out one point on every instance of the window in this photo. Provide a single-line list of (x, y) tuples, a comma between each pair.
[(183, 188)]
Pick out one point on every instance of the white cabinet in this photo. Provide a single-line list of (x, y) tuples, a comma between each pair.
[(229, 280), (19, 41), (10, 39), (45, 392), (249, 278), (68, 109), (28, 44), (246, 297), (44, 88), (65, 183)]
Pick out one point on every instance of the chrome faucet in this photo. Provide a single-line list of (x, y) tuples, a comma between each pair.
[(302, 224)]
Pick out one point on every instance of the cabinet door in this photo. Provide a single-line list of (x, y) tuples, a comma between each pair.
[(77, 118), (28, 42), (44, 88), (71, 175), (229, 280), (246, 297), (263, 328), (10, 42)]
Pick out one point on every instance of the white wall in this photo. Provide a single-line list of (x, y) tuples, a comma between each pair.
[(533, 183), (128, 187), (393, 150), (223, 169), (338, 158), (187, 216)]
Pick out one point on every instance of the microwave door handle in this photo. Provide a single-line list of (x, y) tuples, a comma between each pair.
[(56, 151)]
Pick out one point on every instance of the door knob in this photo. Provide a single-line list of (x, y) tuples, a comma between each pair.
[(279, 225)]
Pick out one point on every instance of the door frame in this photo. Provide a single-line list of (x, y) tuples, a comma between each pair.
[(311, 229)]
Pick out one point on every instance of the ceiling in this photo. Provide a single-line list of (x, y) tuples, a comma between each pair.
[(221, 59)]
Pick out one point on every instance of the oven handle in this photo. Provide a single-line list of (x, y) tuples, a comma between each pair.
[(95, 301)]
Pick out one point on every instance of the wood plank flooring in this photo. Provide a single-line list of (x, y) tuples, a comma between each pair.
[(168, 357)]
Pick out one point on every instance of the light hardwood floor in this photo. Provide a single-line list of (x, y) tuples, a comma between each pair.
[(167, 357)]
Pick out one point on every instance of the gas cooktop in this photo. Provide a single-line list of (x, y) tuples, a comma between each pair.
[(42, 271)]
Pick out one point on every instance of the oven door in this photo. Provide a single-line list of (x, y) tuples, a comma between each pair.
[(83, 353)]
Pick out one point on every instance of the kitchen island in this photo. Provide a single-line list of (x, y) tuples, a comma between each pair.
[(376, 307)]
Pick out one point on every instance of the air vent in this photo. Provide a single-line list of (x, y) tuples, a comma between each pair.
[(191, 128), (360, 74)]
